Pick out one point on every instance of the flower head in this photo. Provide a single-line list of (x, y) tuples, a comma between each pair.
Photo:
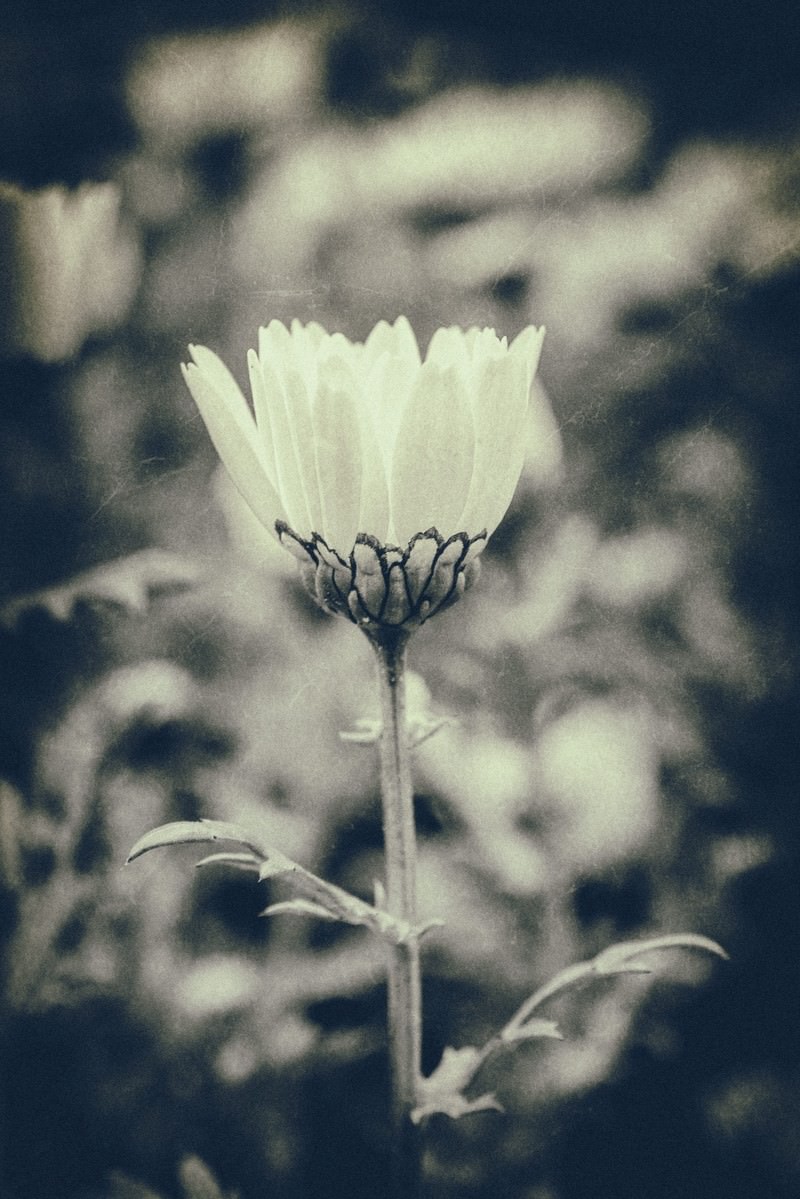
[(383, 472)]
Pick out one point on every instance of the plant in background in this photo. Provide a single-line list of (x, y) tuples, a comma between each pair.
[(385, 473)]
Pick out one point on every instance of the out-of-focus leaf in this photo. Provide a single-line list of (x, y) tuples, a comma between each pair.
[(131, 584), (533, 1030), (120, 1186), (366, 732), (197, 1181), (10, 824), (442, 1092)]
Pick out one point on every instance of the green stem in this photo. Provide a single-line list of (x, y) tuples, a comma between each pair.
[(405, 997)]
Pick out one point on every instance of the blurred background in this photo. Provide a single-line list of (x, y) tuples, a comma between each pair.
[(622, 684)]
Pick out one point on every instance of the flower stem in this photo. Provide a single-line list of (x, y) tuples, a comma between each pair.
[(405, 999)]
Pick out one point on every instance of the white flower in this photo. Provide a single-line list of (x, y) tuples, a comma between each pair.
[(70, 268), (384, 472)]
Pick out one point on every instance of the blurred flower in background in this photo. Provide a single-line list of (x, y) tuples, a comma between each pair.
[(70, 268)]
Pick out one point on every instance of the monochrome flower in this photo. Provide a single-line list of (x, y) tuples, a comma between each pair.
[(383, 472), (70, 267)]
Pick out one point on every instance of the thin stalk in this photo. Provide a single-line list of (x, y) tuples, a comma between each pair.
[(405, 997)]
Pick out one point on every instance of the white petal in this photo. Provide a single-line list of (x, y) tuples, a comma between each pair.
[(544, 450), (233, 432), (486, 344), (337, 445), (500, 407), (433, 455), (449, 347), (528, 346), (397, 339), (217, 373), (298, 402), (258, 388), (279, 419), (314, 331), (379, 342), (386, 392), (274, 343), (374, 514), (405, 342)]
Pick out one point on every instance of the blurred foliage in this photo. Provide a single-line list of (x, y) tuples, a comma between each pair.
[(623, 681)]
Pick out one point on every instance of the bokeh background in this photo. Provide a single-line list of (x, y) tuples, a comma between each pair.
[(623, 683)]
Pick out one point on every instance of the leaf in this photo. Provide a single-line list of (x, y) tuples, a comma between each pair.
[(319, 898), (130, 584), (366, 732), (239, 861), (298, 907), (191, 832), (617, 959), (421, 730), (443, 1091), (120, 1186), (532, 1030), (338, 904), (197, 1181), (621, 958)]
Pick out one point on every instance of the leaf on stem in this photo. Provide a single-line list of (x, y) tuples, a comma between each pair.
[(366, 732), (317, 896), (622, 958), (198, 832), (534, 1029), (314, 896), (239, 861), (443, 1091), (298, 907)]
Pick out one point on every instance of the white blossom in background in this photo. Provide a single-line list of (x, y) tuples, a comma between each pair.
[(383, 472), (70, 268)]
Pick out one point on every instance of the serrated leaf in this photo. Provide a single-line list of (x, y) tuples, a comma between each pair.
[(131, 584), (191, 832)]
